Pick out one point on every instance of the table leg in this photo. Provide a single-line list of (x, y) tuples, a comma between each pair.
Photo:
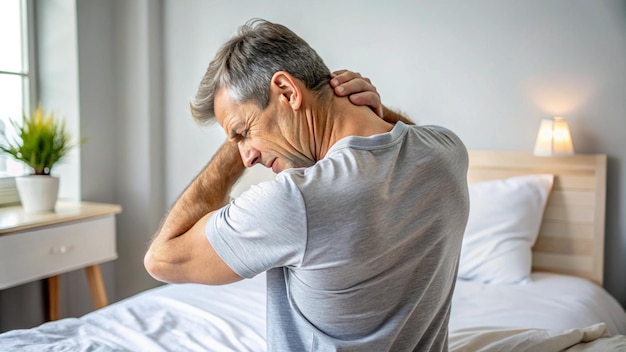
[(96, 286), (52, 288)]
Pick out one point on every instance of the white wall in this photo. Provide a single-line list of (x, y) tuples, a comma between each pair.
[(57, 83), (139, 157), (489, 70)]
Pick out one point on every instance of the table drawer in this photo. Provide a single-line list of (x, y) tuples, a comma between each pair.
[(55, 249)]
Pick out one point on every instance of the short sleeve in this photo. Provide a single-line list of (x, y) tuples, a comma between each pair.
[(263, 228)]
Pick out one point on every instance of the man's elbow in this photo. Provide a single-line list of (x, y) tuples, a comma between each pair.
[(150, 264), (157, 267)]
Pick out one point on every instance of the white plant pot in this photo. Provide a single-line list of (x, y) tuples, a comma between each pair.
[(38, 193)]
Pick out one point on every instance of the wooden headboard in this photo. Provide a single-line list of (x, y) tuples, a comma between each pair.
[(571, 238)]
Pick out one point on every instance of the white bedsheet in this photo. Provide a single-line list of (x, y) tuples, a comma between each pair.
[(594, 338), (170, 318), (232, 318), (548, 301)]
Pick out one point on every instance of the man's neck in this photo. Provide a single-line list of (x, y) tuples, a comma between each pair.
[(334, 118)]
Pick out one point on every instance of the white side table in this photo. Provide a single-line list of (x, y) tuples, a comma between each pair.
[(43, 246)]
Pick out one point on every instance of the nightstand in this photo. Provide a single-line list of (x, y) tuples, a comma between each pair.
[(42, 246)]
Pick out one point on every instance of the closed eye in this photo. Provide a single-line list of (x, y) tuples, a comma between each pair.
[(237, 136)]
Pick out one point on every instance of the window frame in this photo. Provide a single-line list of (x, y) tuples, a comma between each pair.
[(31, 54), (28, 75)]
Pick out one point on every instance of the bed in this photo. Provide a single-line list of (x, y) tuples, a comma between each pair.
[(530, 277)]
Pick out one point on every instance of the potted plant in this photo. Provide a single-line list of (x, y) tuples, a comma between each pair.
[(42, 141)]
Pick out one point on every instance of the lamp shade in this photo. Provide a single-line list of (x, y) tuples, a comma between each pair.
[(554, 138)]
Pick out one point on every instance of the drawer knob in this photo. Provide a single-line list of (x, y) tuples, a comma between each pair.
[(61, 249)]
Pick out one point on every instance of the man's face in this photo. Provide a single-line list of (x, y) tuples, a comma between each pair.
[(273, 137)]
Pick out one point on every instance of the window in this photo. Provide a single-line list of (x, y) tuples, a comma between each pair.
[(16, 73)]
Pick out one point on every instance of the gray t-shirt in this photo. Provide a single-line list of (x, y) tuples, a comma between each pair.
[(362, 248)]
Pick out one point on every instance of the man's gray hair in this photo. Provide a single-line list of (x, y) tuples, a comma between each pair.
[(246, 63)]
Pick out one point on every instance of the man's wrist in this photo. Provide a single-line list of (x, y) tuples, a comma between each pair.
[(226, 167)]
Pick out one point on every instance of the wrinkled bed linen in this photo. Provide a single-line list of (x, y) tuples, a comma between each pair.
[(185, 317), (547, 301), (592, 338), (545, 314)]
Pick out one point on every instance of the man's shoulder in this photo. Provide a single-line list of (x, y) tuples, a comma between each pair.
[(434, 129), (443, 135)]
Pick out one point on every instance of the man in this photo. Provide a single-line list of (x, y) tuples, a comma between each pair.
[(361, 230)]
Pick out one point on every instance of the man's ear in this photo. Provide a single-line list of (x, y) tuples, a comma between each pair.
[(285, 87)]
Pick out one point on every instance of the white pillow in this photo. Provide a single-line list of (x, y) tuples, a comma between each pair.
[(504, 220)]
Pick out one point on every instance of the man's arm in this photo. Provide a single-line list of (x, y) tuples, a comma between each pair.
[(180, 250), (361, 91)]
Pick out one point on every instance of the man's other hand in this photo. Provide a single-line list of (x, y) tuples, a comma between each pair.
[(357, 88)]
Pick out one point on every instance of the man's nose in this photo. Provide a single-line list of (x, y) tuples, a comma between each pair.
[(249, 154)]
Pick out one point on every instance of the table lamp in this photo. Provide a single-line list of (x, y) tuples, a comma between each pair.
[(554, 138)]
